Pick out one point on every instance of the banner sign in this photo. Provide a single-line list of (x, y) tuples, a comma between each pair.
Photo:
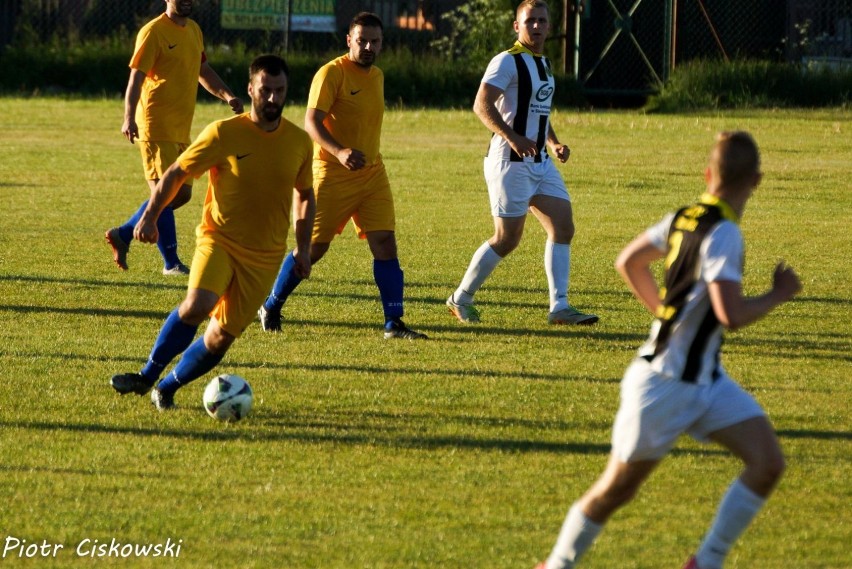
[(307, 16)]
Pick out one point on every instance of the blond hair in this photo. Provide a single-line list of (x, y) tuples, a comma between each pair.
[(530, 4), (735, 158)]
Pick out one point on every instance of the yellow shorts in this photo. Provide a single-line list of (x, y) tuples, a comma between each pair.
[(364, 196), (241, 287), (158, 156)]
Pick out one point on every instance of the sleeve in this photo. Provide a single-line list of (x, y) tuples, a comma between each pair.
[(145, 53), (305, 177), (500, 71), (658, 234), (722, 254), (324, 88), (203, 154)]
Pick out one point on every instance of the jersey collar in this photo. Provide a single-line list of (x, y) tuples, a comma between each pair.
[(519, 47), (727, 211)]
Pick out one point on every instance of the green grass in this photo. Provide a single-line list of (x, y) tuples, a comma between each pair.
[(463, 451)]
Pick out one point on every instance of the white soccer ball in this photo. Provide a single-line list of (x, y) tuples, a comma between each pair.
[(228, 397)]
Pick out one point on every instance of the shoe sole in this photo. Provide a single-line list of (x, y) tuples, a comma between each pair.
[(116, 250)]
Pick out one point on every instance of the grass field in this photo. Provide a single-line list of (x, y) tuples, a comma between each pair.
[(461, 452)]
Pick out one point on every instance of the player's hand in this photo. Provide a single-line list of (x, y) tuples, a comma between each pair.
[(130, 130), (303, 263), (352, 158), (146, 231), (236, 105), (523, 146), (785, 281), (561, 151)]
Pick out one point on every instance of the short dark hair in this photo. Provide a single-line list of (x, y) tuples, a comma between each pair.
[(270, 63), (367, 20)]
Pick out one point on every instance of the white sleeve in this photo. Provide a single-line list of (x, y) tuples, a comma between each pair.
[(658, 233), (500, 71), (722, 254)]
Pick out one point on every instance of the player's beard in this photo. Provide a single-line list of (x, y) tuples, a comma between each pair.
[(183, 8), (365, 58), (271, 112)]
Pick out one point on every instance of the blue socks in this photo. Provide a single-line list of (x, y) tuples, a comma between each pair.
[(195, 362), (285, 283), (389, 279), (174, 338), (167, 243)]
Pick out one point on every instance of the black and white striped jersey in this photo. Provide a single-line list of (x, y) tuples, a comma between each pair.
[(526, 80), (703, 244)]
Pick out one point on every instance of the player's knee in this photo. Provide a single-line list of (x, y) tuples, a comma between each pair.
[(504, 244)]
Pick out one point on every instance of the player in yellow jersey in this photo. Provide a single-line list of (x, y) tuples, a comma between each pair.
[(344, 118), (167, 65), (255, 160)]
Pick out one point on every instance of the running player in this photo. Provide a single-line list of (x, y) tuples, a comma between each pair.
[(676, 384), (256, 160), (165, 70)]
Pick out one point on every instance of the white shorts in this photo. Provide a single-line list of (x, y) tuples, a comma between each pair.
[(511, 185), (656, 410)]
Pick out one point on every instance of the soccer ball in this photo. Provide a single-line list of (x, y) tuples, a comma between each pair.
[(228, 398)]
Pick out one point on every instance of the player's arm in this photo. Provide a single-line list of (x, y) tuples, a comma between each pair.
[(304, 205), (129, 128), (485, 107), (733, 310), (634, 266), (351, 158), (561, 151), (161, 195), (214, 85)]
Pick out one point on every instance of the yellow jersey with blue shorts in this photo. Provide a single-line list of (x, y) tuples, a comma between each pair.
[(170, 56), (353, 99), (242, 238)]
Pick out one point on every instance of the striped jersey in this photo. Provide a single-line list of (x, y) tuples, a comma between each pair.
[(703, 244), (526, 80)]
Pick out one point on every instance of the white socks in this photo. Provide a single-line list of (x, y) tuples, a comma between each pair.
[(557, 266), (481, 265), (738, 507), (577, 534)]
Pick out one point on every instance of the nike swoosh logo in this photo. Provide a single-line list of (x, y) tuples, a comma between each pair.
[(355, 92), (172, 46), (241, 156)]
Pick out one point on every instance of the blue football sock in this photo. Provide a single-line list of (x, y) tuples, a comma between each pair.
[(195, 362), (285, 283), (126, 230), (167, 242), (389, 279), (174, 338)]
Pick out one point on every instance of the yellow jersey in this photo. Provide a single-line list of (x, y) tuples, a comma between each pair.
[(353, 99), (170, 56), (252, 174)]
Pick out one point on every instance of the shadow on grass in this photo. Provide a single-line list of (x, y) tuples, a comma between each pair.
[(293, 431)]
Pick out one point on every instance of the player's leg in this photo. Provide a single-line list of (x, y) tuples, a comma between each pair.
[(284, 285), (174, 337), (553, 210), (167, 242), (753, 441), (507, 236), (586, 517), (390, 280)]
